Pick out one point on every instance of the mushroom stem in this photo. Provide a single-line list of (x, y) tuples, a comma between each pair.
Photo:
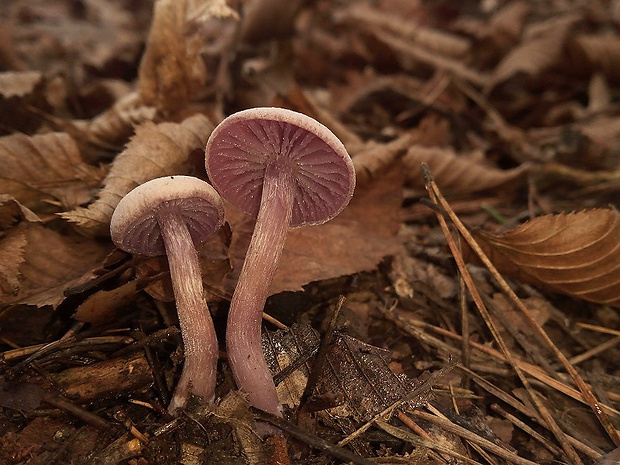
[(243, 334), (199, 338)]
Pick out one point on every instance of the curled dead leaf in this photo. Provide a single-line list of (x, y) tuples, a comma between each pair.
[(40, 168), (457, 174), (172, 70), (11, 212), (357, 374), (577, 254), (154, 151)]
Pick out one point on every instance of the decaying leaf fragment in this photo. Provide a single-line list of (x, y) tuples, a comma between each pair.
[(47, 167), (11, 258), (154, 151), (12, 212), (540, 50), (14, 84), (115, 125), (172, 70), (356, 373), (48, 263), (577, 254), (457, 174)]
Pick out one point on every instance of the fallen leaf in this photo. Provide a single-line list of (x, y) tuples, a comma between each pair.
[(269, 19), (458, 173), (12, 212), (376, 19), (356, 240), (541, 49), (59, 38), (577, 254), (16, 84), (599, 52), (100, 307), (115, 125), (357, 374), (373, 157), (11, 258), (40, 169), (593, 144), (172, 71), (497, 34), (154, 151), (50, 264)]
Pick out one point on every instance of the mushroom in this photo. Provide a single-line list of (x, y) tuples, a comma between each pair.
[(287, 170), (172, 216)]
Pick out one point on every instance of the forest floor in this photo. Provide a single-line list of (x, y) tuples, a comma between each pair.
[(462, 309)]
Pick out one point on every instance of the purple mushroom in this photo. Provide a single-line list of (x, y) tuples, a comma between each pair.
[(172, 216), (287, 170)]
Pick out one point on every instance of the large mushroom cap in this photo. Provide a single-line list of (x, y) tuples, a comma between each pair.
[(134, 226), (242, 145)]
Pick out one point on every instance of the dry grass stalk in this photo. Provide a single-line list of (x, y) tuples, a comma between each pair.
[(438, 199)]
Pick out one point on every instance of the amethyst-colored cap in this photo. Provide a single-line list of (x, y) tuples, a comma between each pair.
[(135, 229), (242, 146)]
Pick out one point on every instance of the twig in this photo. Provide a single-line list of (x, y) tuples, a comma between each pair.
[(527, 367), (386, 413), (321, 356), (595, 350), (510, 400), (528, 429), (436, 196), (311, 439), (588, 396), (447, 425), (421, 441)]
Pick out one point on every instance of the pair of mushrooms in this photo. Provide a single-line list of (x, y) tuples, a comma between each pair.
[(280, 166)]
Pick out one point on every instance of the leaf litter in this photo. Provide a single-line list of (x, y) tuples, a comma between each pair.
[(511, 106)]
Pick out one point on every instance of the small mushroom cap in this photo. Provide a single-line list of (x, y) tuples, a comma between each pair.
[(244, 143), (134, 226)]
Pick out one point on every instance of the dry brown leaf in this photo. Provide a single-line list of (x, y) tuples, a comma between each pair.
[(373, 158), (498, 33), (11, 212), (354, 241), (439, 41), (14, 84), (269, 19), (154, 151), (599, 53), (172, 71), (507, 23), (577, 254), (116, 125), (457, 174), (356, 373), (593, 144), (11, 258), (412, 53), (540, 50), (50, 264), (43, 168), (100, 307), (57, 37)]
